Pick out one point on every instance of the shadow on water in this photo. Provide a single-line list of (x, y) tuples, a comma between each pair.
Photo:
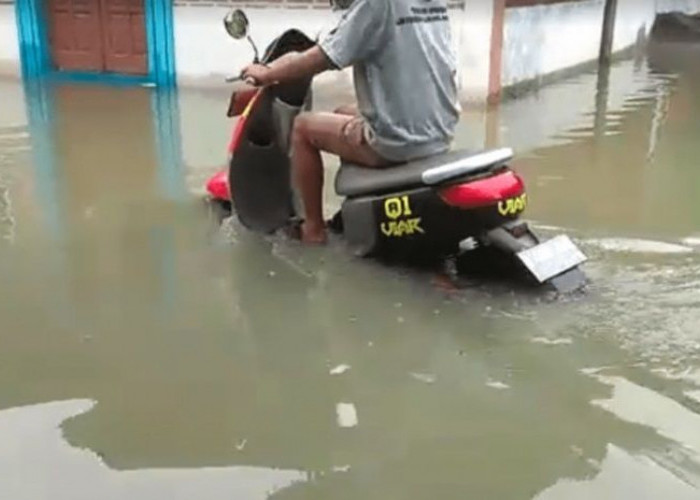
[(141, 359)]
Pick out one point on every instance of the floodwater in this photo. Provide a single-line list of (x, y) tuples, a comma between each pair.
[(144, 357)]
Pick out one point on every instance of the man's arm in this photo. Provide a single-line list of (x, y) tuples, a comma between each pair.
[(291, 66), (348, 109)]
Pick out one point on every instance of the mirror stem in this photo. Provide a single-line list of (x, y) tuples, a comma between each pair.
[(255, 50)]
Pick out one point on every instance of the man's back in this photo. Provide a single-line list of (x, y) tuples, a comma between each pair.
[(404, 72)]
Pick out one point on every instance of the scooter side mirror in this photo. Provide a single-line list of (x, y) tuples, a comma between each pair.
[(236, 24)]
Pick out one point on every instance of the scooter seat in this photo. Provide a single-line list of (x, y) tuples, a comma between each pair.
[(355, 180)]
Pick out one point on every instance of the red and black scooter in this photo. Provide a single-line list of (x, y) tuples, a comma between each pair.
[(461, 207)]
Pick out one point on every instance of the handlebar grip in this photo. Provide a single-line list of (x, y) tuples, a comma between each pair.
[(250, 81)]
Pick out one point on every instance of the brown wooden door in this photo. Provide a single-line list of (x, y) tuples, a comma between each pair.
[(98, 35), (124, 36), (75, 34)]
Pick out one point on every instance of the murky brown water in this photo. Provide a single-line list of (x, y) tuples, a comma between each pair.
[(142, 360)]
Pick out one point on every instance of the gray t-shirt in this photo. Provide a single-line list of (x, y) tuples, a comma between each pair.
[(404, 70)]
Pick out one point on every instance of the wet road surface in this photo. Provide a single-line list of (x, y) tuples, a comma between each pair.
[(142, 358)]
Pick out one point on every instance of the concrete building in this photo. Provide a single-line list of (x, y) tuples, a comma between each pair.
[(501, 44)]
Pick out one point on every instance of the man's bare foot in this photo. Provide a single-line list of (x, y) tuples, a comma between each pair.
[(444, 283), (313, 234)]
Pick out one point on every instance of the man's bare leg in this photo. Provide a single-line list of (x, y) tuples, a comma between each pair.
[(307, 171), (313, 133)]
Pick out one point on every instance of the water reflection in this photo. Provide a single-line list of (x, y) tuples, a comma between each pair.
[(631, 174), (657, 473), (37, 463), (640, 405), (101, 144), (652, 481)]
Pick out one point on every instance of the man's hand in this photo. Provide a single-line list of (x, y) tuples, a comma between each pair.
[(289, 67), (257, 75)]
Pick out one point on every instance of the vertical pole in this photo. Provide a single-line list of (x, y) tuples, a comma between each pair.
[(496, 51), (608, 32), (492, 118), (160, 37), (33, 42)]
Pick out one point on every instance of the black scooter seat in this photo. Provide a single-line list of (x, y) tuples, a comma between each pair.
[(355, 180)]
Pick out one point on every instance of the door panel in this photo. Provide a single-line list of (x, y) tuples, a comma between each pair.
[(75, 35), (124, 36), (98, 35)]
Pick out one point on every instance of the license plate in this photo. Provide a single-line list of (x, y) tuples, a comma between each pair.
[(551, 258)]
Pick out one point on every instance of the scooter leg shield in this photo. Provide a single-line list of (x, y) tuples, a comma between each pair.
[(260, 187)]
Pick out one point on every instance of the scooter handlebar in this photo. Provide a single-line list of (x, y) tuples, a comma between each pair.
[(241, 77)]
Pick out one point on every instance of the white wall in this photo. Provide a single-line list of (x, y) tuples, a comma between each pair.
[(543, 39), (205, 53), (13, 112), (538, 40), (9, 43)]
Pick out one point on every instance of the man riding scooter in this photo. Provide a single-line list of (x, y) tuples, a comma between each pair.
[(404, 75)]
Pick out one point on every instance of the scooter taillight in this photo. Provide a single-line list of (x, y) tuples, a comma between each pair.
[(484, 192)]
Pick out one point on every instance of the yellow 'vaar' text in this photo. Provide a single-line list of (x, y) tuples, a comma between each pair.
[(512, 206), (398, 228)]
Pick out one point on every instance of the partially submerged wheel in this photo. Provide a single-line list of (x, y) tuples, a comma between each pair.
[(218, 210), (514, 251), (568, 282)]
